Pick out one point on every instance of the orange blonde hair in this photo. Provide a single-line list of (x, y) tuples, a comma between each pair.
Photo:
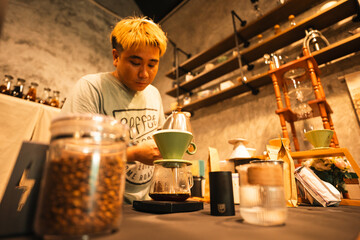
[(137, 32)]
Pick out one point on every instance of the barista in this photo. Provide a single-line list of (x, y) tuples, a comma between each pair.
[(127, 94)]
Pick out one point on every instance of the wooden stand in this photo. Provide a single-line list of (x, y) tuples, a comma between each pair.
[(319, 105)]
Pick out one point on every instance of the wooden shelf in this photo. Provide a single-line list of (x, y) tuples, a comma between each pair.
[(336, 50), (327, 153), (252, 29), (319, 21), (331, 152)]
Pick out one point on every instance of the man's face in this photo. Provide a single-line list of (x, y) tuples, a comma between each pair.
[(136, 68)]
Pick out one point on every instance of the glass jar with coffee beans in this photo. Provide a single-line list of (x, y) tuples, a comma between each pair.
[(84, 178)]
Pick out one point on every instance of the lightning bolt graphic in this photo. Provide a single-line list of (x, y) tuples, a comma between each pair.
[(26, 185)]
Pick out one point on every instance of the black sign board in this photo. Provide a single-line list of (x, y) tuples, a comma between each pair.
[(18, 205)]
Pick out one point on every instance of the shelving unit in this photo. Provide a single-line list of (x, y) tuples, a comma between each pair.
[(334, 51), (319, 21), (252, 29)]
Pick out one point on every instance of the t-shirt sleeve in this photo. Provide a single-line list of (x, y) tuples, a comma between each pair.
[(161, 115), (84, 98)]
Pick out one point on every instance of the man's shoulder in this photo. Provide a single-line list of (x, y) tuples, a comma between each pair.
[(151, 90), (95, 77)]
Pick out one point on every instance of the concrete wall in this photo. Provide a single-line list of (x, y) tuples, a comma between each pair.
[(55, 42)]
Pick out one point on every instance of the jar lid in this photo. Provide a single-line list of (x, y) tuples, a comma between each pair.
[(88, 125), (9, 77)]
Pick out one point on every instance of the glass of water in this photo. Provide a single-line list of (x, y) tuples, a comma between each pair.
[(262, 197)]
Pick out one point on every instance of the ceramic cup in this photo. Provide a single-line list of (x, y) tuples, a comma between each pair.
[(173, 143), (320, 138)]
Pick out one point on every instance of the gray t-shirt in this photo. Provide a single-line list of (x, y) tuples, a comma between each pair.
[(102, 93)]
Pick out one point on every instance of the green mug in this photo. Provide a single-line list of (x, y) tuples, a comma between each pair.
[(173, 143)]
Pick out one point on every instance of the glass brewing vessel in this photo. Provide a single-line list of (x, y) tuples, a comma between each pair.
[(172, 180), (299, 89)]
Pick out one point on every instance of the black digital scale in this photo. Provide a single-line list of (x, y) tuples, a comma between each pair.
[(167, 206)]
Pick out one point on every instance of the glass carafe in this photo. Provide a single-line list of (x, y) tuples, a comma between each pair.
[(31, 94), (5, 87), (19, 88), (299, 89), (55, 100), (314, 40), (172, 180), (84, 178)]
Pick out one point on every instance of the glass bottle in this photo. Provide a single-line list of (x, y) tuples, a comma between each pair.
[(292, 20), (19, 88), (84, 178), (46, 96), (31, 94), (55, 100), (5, 87), (188, 76), (256, 7)]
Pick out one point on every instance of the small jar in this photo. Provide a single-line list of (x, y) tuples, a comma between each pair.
[(266, 205), (5, 87), (292, 20), (31, 94), (84, 177), (46, 96), (55, 100), (188, 76), (19, 88)]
